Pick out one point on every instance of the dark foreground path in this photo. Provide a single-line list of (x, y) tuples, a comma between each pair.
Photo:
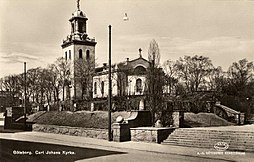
[(12, 150), (37, 146)]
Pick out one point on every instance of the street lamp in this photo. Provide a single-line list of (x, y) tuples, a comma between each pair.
[(125, 18), (24, 96), (109, 88)]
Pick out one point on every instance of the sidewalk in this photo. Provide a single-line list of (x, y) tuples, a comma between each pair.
[(76, 141)]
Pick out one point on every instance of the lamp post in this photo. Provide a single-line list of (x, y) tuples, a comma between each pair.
[(24, 96), (125, 18), (109, 88)]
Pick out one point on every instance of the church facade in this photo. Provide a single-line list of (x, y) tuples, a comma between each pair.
[(89, 83), (128, 84)]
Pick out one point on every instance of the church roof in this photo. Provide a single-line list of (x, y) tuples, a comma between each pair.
[(125, 65), (79, 13)]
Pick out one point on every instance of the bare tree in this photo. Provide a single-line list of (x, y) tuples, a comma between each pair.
[(171, 80), (240, 73), (83, 76), (215, 79), (33, 87), (154, 82), (154, 53), (13, 84), (238, 87), (63, 69), (193, 71), (1, 84), (55, 81)]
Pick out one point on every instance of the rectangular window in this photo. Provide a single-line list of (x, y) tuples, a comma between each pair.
[(69, 54), (95, 88)]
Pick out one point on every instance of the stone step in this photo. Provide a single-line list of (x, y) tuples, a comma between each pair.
[(188, 144), (209, 144), (212, 131), (209, 139), (238, 141), (232, 148), (218, 139), (208, 132), (243, 143), (250, 139), (225, 135), (213, 134), (214, 138)]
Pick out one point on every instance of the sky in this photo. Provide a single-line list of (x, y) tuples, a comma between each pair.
[(33, 30)]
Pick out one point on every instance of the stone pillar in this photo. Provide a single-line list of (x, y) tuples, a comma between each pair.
[(121, 132), (92, 106), (141, 105), (178, 119), (72, 93), (48, 107), (240, 118)]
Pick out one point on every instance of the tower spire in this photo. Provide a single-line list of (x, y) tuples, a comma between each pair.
[(78, 4)]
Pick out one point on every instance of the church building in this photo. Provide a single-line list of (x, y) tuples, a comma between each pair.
[(88, 83), (128, 84)]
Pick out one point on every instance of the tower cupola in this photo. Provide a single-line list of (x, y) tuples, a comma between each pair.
[(78, 25)]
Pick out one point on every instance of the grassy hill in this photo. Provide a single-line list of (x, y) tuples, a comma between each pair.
[(86, 119), (204, 120), (99, 119)]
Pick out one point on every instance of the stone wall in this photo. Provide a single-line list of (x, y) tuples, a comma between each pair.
[(150, 134), (74, 131)]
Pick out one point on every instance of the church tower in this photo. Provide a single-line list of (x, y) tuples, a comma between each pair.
[(79, 50)]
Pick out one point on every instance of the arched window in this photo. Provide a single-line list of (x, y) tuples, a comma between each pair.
[(66, 55), (69, 54), (80, 54), (80, 25), (95, 88), (72, 27), (87, 54), (139, 85), (139, 70), (102, 87)]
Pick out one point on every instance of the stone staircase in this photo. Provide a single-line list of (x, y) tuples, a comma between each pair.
[(208, 138)]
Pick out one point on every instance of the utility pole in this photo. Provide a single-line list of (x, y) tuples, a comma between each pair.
[(109, 88), (153, 92), (24, 96)]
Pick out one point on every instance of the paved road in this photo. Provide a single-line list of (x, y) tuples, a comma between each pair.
[(13, 150), (37, 146), (16, 145)]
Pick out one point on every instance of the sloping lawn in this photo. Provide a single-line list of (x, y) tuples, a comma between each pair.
[(99, 119), (86, 119), (204, 120)]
